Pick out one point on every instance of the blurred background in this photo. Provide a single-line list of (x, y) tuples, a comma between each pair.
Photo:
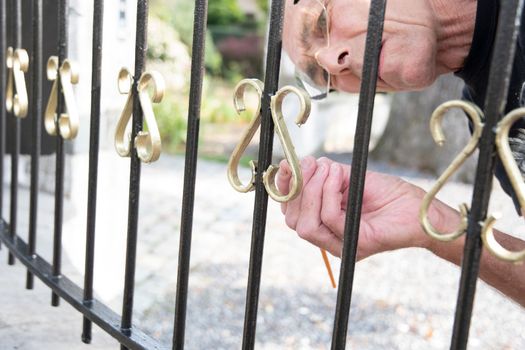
[(401, 300)]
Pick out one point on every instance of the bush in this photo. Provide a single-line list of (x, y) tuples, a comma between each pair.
[(171, 115), (179, 14), (225, 12)]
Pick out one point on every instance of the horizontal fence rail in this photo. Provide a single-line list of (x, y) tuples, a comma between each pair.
[(142, 145)]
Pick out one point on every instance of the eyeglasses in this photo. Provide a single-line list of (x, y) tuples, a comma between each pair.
[(310, 75)]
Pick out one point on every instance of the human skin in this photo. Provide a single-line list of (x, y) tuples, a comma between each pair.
[(421, 40), (389, 220)]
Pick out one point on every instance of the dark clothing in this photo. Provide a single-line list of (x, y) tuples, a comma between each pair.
[(475, 73)]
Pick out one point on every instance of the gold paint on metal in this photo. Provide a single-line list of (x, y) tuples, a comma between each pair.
[(493, 246), (284, 137), (516, 179), (286, 143), (475, 115), (68, 122), (16, 94), (240, 107), (148, 143), (50, 113), (123, 130)]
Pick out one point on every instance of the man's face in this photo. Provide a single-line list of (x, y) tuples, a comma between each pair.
[(408, 54)]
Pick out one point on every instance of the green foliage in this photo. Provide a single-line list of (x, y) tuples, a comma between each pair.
[(171, 117), (264, 5), (179, 14), (225, 12)]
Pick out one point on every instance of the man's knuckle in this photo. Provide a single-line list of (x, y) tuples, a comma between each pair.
[(290, 222), (305, 232), (328, 217)]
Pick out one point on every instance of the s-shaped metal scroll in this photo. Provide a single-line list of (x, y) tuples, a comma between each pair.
[(286, 142), (240, 107), (284, 138), (16, 100), (148, 143), (516, 179), (475, 115), (67, 122)]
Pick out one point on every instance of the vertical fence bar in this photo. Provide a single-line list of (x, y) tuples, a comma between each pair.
[(17, 42), (36, 103), (63, 6), (190, 170), (358, 172), (94, 135), (499, 77), (134, 180), (273, 61), (3, 82)]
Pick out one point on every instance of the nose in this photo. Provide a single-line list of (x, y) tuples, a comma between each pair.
[(334, 60)]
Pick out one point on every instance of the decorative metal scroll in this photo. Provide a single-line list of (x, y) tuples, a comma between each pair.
[(67, 122), (16, 94), (240, 107), (509, 163), (286, 142), (516, 179), (281, 130), (148, 143), (475, 115)]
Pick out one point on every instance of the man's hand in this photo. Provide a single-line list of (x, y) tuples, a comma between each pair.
[(389, 218)]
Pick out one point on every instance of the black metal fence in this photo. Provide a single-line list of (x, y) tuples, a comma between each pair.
[(62, 126)]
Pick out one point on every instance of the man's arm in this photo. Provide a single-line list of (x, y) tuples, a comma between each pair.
[(389, 220), (506, 277)]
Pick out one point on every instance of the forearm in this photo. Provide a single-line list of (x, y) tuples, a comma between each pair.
[(506, 277)]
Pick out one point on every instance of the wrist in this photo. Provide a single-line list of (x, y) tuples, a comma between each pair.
[(445, 220)]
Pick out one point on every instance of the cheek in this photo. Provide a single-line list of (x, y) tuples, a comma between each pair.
[(412, 64)]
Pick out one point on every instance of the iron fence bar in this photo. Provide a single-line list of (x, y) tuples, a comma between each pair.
[(94, 135), (3, 83), (273, 61), (134, 180), (36, 108), (358, 172), (63, 9), (13, 212), (190, 170), (95, 311), (499, 77)]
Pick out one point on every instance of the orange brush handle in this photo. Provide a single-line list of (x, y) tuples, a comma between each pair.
[(328, 267)]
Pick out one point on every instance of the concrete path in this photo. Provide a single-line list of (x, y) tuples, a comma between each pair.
[(401, 300)]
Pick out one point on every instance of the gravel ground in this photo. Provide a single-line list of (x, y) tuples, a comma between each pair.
[(401, 300)]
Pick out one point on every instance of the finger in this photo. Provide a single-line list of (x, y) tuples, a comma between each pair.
[(324, 160), (309, 225), (324, 239), (329, 242), (284, 176), (293, 207), (309, 219), (333, 209)]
